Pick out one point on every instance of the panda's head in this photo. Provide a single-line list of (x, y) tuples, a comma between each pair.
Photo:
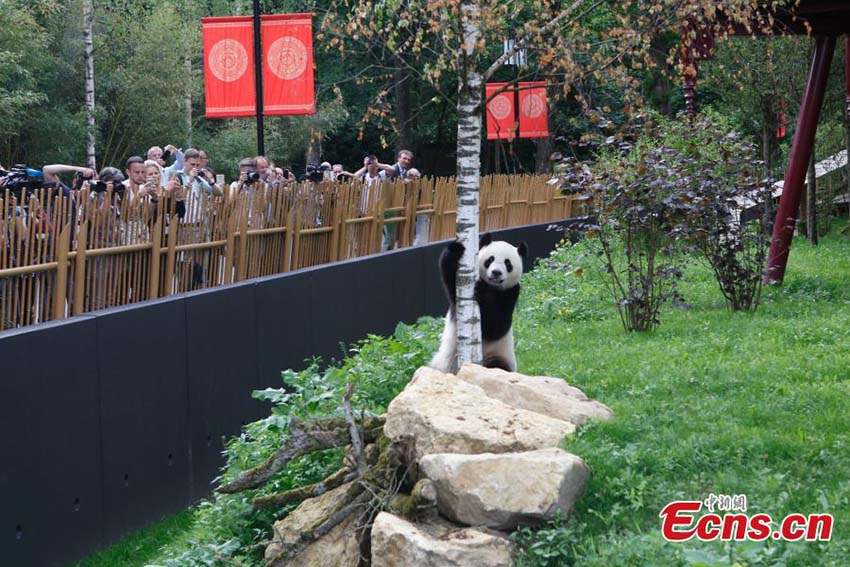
[(500, 264)]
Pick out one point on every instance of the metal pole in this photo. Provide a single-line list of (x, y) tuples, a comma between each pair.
[(801, 151), (258, 78)]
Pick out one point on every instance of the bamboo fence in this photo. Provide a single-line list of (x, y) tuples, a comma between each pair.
[(62, 256)]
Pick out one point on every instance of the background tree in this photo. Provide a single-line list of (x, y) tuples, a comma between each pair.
[(462, 38)]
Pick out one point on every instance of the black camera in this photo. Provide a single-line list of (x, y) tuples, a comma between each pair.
[(99, 186), (253, 177), (166, 155), (315, 172), (20, 178)]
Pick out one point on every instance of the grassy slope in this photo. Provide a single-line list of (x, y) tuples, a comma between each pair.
[(143, 546), (712, 401)]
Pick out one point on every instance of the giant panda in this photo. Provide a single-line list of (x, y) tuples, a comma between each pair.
[(500, 267)]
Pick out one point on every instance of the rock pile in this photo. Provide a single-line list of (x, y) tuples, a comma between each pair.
[(487, 442)]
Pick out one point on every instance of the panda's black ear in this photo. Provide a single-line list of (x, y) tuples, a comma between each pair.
[(485, 240), (523, 250)]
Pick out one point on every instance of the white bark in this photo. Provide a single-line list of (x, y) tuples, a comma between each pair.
[(88, 23), (187, 100), (468, 179)]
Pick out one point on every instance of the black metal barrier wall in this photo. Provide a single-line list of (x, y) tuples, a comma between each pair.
[(114, 419)]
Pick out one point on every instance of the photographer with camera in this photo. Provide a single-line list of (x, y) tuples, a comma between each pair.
[(158, 155), (207, 173), (248, 177)]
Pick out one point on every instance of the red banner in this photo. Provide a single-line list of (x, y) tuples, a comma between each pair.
[(288, 64), (229, 66), (533, 110), (501, 119)]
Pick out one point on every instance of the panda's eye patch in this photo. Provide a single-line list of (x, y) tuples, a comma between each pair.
[(489, 261), (509, 266)]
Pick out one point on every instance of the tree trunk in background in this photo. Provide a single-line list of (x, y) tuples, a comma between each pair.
[(314, 148), (187, 62), (544, 145), (88, 22), (847, 142), (766, 140), (470, 81), (811, 202), (402, 110)]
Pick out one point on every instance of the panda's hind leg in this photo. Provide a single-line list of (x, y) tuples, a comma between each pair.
[(446, 358), (500, 353)]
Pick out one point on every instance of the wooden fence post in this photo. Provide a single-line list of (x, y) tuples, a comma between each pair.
[(230, 247), (156, 250), (377, 223), (336, 228), (60, 288), (412, 203), (171, 256), (296, 236), (80, 269), (288, 240), (242, 264)]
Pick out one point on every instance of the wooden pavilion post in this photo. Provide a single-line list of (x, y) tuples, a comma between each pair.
[(801, 151)]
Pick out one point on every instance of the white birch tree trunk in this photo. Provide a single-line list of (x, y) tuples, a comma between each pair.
[(187, 100), (468, 180), (88, 57)]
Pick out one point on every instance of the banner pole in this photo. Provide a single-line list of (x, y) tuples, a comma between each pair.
[(258, 76)]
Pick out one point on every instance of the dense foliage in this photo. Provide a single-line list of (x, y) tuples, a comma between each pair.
[(148, 63)]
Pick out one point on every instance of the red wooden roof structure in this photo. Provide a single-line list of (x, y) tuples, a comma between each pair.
[(825, 20)]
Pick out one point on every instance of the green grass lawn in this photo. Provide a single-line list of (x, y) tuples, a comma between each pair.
[(710, 402), (146, 545)]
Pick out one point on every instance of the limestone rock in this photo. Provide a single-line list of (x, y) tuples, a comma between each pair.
[(443, 414), (549, 396), (341, 540), (432, 543), (338, 548), (504, 491)]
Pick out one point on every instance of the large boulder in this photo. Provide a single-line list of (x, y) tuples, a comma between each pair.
[(541, 394), (340, 543), (506, 490), (339, 547), (440, 413), (433, 543)]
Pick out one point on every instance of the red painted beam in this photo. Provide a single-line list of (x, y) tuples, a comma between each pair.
[(801, 151), (847, 74)]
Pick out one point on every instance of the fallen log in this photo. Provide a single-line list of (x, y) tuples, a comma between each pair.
[(304, 437)]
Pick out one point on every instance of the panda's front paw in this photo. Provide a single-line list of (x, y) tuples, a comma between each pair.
[(455, 250)]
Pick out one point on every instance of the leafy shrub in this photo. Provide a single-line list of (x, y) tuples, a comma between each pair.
[(635, 228), (228, 531), (722, 186), (684, 186)]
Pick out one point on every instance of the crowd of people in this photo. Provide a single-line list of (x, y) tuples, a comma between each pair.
[(122, 205), (179, 177), (152, 176)]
